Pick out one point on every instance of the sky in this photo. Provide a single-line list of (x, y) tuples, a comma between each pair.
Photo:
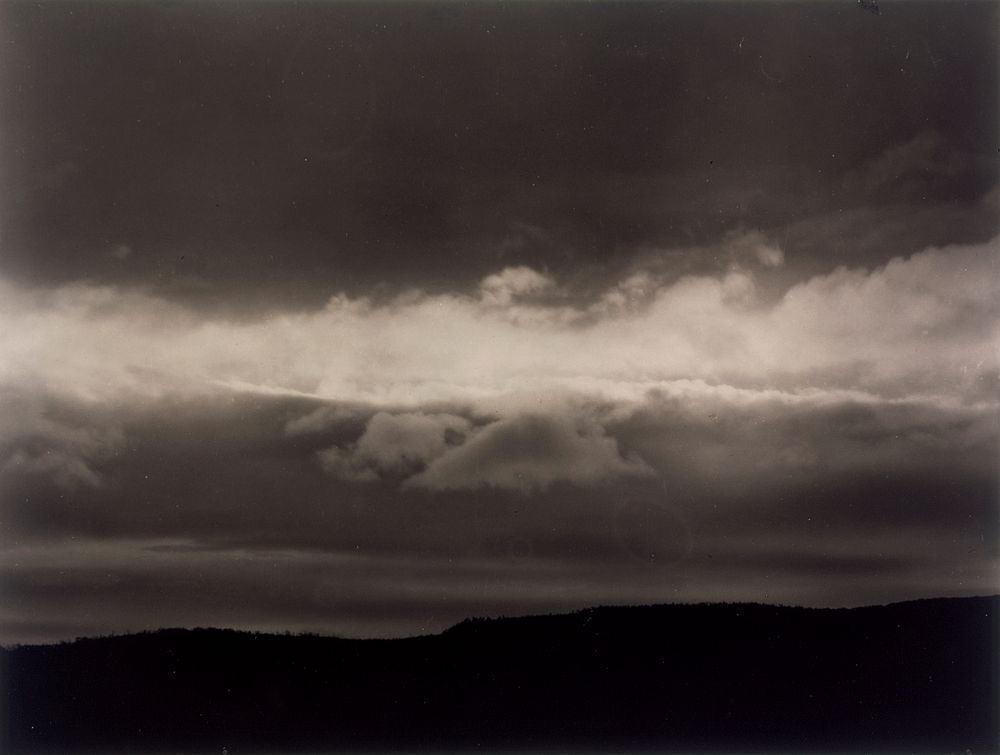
[(365, 318)]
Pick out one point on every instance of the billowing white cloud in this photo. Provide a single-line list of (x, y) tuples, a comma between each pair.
[(395, 445), (512, 283), (530, 452), (925, 325)]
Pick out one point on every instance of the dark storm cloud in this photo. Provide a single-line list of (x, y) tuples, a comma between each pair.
[(211, 513), (925, 167), (129, 587), (273, 152), (756, 442), (227, 473), (45, 437)]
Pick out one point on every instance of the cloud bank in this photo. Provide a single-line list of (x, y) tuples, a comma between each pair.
[(520, 383), (923, 324)]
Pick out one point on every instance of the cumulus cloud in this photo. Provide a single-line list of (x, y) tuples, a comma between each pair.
[(395, 445), (524, 452), (629, 295), (927, 323), (531, 452), (512, 283), (39, 438), (320, 419), (753, 246)]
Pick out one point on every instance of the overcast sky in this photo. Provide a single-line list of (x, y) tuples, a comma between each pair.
[(363, 319)]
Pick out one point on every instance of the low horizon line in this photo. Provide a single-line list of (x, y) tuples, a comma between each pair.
[(494, 618)]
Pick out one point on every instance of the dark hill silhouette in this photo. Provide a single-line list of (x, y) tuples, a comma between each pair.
[(919, 676)]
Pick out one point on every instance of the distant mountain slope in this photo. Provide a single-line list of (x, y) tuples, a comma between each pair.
[(918, 676)]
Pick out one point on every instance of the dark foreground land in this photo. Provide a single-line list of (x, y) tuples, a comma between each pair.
[(918, 676)]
